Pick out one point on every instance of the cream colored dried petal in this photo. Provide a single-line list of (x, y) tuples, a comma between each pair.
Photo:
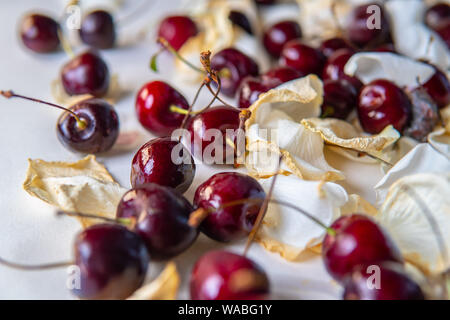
[(357, 204), (343, 134), (405, 215), (84, 186), (165, 287)]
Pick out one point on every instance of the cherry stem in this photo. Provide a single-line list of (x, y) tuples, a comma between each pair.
[(199, 215), (67, 48), (364, 153), (10, 94), (34, 267), (244, 115), (122, 221)]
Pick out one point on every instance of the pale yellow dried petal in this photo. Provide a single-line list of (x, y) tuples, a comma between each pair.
[(405, 215), (357, 204), (164, 287), (84, 186)]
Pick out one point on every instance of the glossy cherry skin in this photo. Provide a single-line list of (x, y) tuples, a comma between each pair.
[(279, 34), (153, 103), (359, 33), (239, 19), (204, 125), (222, 275), (153, 163), (98, 30), (162, 217), (177, 30), (437, 15), (340, 98), (234, 222), (438, 87), (358, 241), (302, 58), (394, 284), (334, 68), (236, 65), (39, 33), (87, 73), (251, 88), (113, 262), (102, 127), (330, 46), (382, 103)]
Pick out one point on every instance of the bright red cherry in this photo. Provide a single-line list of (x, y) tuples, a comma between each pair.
[(165, 162), (358, 241), (438, 87), (251, 87), (153, 104), (303, 58), (234, 222), (394, 284), (177, 30), (340, 98), (438, 15), (358, 31), (334, 68), (330, 46), (161, 219), (222, 275), (279, 34), (234, 66), (39, 33), (101, 128), (112, 260), (98, 30), (87, 73), (382, 103), (208, 132)]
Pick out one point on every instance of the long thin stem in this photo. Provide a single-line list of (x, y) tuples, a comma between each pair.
[(10, 94), (35, 267), (167, 45)]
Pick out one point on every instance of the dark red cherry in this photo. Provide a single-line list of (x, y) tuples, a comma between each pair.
[(394, 284), (358, 31), (153, 104), (279, 34), (208, 134), (165, 162), (249, 91), (87, 73), (39, 33), (437, 15), (340, 98), (233, 66), (382, 103), (162, 217), (177, 30), (99, 134), (239, 19), (330, 46), (113, 262), (234, 222), (222, 275), (444, 32), (358, 241), (265, 2), (334, 68), (251, 87), (387, 47), (438, 87), (302, 58), (98, 30)]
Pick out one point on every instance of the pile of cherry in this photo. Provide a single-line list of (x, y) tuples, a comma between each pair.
[(161, 223)]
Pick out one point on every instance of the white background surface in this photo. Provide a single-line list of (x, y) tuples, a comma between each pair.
[(29, 230)]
